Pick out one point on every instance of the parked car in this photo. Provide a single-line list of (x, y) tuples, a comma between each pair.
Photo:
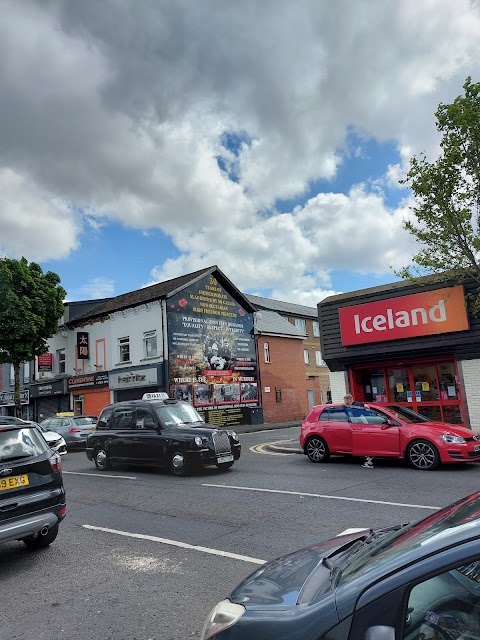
[(54, 440), (32, 497), (74, 429), (407, 582), (392, 431), (161, 432)]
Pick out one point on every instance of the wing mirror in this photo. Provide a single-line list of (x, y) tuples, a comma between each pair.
[(380, 632), (389, 423)]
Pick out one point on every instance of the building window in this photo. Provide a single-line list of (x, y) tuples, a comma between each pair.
[(12, 375), (100, 354), (150, 344), (300, 324), (319, 361), (278, 394), (124, 349), (316, 329), (305, 356), (61, 360), (26, 372), (266, 352)]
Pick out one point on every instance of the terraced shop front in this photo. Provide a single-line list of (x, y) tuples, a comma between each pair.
[(413, 344)]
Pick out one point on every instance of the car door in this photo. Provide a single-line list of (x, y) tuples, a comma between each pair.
[(337, 430), (122, 435), (372, 435), (148, 440)]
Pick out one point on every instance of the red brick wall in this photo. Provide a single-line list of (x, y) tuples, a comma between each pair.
[(285, 371)]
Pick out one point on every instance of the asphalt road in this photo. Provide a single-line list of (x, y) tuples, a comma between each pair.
[(144, 555)]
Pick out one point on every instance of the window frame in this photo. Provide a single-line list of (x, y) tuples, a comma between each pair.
[(306, 356), (61, 360), (266, 352), (301, 324), (148, 336), (316, 328), (124, 342), (318, 357)]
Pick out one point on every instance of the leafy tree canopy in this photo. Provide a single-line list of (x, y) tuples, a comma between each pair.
[(31, 304), (447, 195)]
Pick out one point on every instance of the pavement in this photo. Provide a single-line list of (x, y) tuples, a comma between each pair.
[(282, 446)]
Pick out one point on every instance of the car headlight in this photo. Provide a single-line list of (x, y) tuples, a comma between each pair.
[(451, 439), (199, 441), (221, 617), (233, 435)]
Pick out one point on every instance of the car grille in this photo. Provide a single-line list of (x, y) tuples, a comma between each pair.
[(472, 439), (221, 442)]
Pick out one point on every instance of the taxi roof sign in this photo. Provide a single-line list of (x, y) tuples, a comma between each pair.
[(155, 395)]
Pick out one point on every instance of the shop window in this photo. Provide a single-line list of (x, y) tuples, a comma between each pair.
[(452, 414), (373, 385), (431, 412), (124, 349), (447, 378), (316, 329), (399, 385), (425, 381)]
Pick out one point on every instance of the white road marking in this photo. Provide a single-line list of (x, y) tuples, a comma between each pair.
[(99, 475), (175, 543), (320, 495)]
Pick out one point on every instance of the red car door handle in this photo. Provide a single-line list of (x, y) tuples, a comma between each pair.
[(356, 429)]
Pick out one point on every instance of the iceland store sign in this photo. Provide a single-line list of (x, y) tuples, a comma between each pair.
[(419, 314)]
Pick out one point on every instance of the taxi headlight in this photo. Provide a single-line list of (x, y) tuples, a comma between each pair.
[(452, 439), (198, 441), (224, 615), (233, 435)]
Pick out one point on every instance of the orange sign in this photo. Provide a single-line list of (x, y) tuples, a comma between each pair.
[(420, 314)]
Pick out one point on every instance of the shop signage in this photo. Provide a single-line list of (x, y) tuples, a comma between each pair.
[(82, 345), (419, 314), (97, 379), (55, 388), (137, 378), (7, 398), (45, 362)]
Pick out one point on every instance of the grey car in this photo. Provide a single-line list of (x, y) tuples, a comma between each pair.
[(74, 429)]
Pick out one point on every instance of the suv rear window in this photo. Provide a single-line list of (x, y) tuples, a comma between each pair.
[(85, 420), (21, 443)]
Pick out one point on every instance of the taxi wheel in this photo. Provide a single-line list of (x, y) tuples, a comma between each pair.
[(423, 455), (42, 541), (317, 450), (178, 464), (101, 460)]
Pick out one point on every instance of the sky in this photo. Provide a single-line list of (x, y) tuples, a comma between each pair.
[(142, 140)]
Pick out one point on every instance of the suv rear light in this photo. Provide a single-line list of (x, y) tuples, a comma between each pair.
[(75, 430), (56, 463)]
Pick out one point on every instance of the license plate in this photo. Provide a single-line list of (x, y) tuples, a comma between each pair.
[(90, 430), (221, 459), (476, 447), (14, 482)]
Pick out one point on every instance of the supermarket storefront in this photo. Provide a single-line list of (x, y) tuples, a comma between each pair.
[(414, 345)]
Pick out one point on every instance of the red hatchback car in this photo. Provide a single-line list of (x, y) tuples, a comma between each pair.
[(387, 431)]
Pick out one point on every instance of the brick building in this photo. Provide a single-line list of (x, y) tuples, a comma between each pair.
[(305, 320)]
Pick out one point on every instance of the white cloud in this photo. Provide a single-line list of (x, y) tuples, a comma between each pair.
[(123, 114), (95, 288)]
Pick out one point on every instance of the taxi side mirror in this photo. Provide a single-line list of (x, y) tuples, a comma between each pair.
[(380, 632)]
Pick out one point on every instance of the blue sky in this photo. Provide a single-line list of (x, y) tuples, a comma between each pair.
[(249, 136)]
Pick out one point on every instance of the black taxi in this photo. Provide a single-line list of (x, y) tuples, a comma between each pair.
[(162, 432)]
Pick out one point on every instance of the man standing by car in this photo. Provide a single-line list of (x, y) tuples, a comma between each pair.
[(348, 401)]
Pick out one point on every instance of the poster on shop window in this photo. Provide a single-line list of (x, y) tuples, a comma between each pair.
[(211, 349)]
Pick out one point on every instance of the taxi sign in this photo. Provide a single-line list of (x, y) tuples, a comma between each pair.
[(155, 395)]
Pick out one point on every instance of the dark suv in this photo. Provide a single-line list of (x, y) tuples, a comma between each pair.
[(32, 497), (162, 432)]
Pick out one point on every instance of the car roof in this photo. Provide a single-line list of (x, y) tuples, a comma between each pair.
[(145, 403), (16, 425)]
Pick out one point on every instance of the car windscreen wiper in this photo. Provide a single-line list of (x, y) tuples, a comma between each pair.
[(15, 458)]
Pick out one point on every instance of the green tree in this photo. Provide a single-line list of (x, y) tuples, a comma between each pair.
[(447, 195), (31, 304)]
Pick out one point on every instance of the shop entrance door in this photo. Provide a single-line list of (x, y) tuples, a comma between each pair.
[(431, 389)]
